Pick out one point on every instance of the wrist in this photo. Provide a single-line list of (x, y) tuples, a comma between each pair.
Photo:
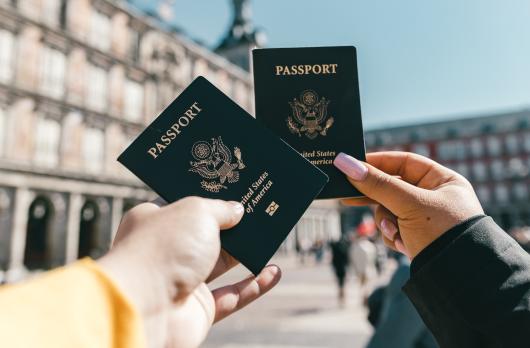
[(139, 280), (432, 250)]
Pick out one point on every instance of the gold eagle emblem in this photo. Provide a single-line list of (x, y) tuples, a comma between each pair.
[(309, 115), (214, 162)]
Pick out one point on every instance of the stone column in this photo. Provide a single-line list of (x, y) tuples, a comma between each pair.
[(117, 212), (57, 235), (7, 197), (23, 198), (104, 224), (72, 234)]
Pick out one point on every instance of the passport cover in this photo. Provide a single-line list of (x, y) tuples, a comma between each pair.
[(204, 144), (310, 98)]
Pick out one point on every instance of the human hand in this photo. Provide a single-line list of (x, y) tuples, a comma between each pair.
[(162, 258), (417, 199)]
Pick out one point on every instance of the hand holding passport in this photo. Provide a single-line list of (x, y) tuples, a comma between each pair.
[(203, 144)]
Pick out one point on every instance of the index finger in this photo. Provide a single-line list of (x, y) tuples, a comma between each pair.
[(415, 169)]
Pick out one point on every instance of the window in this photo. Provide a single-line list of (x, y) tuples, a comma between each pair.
[(497, 170), (30, 8), (501, 193), (494, 146), (52, 75), (97, 89), (460, 150), (526, 142), (51, 9), (479, 171), (47, 143), (484, 194), (463, 169), (99, 35), (520, 191), (7, 49), (512, 144), (134, 45), (476, 147), (517, 168), (421, 149), (93, 145), (450, 149), (134, 101)]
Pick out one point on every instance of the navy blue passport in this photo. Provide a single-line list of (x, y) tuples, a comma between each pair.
[(310, 98), (204, 144)]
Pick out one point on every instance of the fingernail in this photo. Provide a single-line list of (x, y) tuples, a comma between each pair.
[(274, 270), (401, 247), (238, 207), (350, 166), (388, 229)]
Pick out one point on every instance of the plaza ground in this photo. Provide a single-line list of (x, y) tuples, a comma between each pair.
[(302, 311)]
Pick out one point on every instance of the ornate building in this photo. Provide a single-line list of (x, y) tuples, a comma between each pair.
[(79, 79), (492, 151)]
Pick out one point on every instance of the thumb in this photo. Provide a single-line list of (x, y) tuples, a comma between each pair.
[(227, 213), (390, 191)]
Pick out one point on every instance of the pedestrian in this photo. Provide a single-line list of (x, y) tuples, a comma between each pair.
[(318, 250), (340, 251), (469, 280), (398, 323), (304, 247), (364, 254), (381, 258)]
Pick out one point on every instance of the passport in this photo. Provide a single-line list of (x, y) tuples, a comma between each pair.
[(310, 98), (204, 144)]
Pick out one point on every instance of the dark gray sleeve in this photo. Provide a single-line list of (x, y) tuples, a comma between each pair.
[(400, 325), (475, 291)]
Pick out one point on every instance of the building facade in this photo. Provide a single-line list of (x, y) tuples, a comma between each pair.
[(492, 152), (79, 79)]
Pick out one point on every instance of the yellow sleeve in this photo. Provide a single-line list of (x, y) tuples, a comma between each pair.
[(74, 306)]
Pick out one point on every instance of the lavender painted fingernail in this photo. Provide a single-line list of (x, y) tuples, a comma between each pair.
[(401, 247), (389, 229), (350, 166)]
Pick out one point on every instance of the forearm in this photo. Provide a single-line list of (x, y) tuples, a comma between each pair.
[(73, 306)]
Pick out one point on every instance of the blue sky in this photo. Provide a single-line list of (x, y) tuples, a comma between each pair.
[(418, 60)]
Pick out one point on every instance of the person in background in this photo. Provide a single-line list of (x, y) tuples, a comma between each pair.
[(304, 249), (318, 250), (149, 290), (363, 256), (469, 280), (340, 251), (398, 323)]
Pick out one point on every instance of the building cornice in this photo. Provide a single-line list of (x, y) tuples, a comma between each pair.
[(203, 52), (199, 51), (14, 170)]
